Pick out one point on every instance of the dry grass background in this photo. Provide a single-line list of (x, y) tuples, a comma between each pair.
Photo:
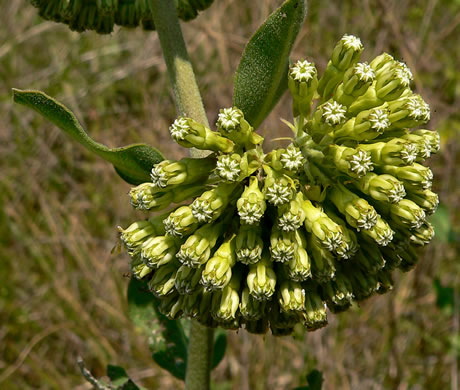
[(61, 292)]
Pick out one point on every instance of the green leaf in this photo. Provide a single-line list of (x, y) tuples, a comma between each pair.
[(133, 163), (444, 296), (120, 379), (442, 226), (166, 337), (220, 345), (314, 380), (261, 77)]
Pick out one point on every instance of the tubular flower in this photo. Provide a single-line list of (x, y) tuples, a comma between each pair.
[(266, 241)]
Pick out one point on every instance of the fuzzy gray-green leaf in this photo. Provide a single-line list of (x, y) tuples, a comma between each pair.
[(133, 162), (261, 77)]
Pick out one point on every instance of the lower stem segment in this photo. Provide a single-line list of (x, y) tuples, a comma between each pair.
[(189, 103), (199, 357)]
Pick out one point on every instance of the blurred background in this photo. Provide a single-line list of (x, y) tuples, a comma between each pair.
[(62, 293)]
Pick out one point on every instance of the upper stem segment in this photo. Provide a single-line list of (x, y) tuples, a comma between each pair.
[(189, 103)]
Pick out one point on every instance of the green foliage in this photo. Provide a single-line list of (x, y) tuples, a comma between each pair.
[(442, 226), (444, 296), (314, 381), (120, 378), (261, 77), (220, 346), (166, 337), (133, 163)]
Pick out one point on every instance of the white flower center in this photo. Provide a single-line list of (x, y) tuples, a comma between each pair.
[(179, 129), (282, 252), (397, 193), (379, 120), (228, 119), (277, 194), (352, 42), (361, 163), (292, 158), (367, 220), (333, 113), (408, 153), (201, 210), (228, 168), (303, 71), (332, 241), (250, 213), (158, 176), (172, 228), (249, 256), (289, 222), (347, 250), (384, 237), (364, 71)]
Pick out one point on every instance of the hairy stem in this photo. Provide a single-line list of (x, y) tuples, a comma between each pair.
[(180, 70), (189, 103)]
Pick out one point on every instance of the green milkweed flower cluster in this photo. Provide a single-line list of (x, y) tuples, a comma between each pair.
[(269, 240), (102, 15)]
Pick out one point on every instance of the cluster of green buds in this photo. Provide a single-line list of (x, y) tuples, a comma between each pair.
[(270, 240), (102, 15)]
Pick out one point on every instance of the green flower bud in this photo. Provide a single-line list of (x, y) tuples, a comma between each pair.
[(291, 216), (180, 222), (231, 124), (354, 162), (355, 83), (281, 322), (282, 245), (249, 244), (159, 250), (381, 232), (162, 282), (302, 82), (357, 211), (137, 233), (385, 188), (210, 205), (432, 138), (188, 279), (369, 258), (257, 327), (408, 255), (251, 205), (393, 80), (415, 176), (322, 227), (314, 316), (261, 279), (408, 111), (395, 152), (364, 285), (170, 173), (322, 261), (407, 213), (228, 167), (299, 267), (171, 306), (327, 117), (349, 245), (426, 199), (251, 309), (198, 306), (197, 249), (367, 125), (422, 235), (225, 304), (385, 282), (191, 134), (346, 53), (279, 188), (382, 61), (391, 256), (338, 293), (422, 145), (218, 269), (289, 159), (291, 296), (137, 267)]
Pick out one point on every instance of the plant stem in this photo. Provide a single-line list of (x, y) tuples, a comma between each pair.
[(180, 70), (188, 103)]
